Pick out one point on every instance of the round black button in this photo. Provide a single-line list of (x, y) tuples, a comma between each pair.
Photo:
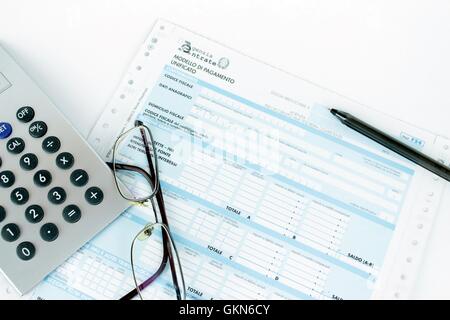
[(10, 232), (25, 114), (2, 213), (37, 129), (15, 145), (51, 144), (49, 232), (34, 213), (72, 213), (26, 250), (64, 160), (79, 177), (42, 178), (20, 196), (7, 179), (57, 195), (28, 161), (94, 195)]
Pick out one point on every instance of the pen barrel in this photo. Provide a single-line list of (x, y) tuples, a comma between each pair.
[(397, 146)]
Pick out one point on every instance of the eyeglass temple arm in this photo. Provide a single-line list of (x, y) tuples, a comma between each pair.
[(166, 253), (160, 201)]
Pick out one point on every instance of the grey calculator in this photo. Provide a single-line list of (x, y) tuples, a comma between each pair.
[(55, 192)]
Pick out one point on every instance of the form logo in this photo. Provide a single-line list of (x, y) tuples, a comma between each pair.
[(203, 56), (186, 47), (223, 63)]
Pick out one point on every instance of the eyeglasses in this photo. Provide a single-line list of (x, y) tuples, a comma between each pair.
[(135, 167)]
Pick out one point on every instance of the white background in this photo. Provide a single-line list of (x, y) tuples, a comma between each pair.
[(393, 55)]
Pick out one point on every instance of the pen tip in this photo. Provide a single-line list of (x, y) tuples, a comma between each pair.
[(333, 111)]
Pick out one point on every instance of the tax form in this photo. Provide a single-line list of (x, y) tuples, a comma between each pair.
[(267, 195)]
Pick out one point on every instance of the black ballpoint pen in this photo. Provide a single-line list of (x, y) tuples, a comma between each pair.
[(393, 144)]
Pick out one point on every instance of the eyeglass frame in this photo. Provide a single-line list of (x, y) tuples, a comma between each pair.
[(157, 193)]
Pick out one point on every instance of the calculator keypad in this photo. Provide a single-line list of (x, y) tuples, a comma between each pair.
[(38, 213)]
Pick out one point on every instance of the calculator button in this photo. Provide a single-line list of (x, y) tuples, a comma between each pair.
[(72, 213), (49, 232), (5, 130), (15, 145), (57, 195), (38, 129), (25, 114), (79, 178), (19, 196), (94, 195), (51, 144), (7, 179), (10, 232), (34, 213), (2, 213), (26, 250), (64, 160), (42, 178), (28, 161)]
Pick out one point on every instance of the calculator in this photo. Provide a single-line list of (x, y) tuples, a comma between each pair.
[(55, 192)]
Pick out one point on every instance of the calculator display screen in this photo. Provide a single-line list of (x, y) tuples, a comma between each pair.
[(4, 83)]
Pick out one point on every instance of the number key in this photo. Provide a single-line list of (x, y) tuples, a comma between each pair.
[(42, 178), (28, 161), (2, 213), (26, 250), (10, 232), (57, 195), (34, 213), (20, 196), (7, 179)]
